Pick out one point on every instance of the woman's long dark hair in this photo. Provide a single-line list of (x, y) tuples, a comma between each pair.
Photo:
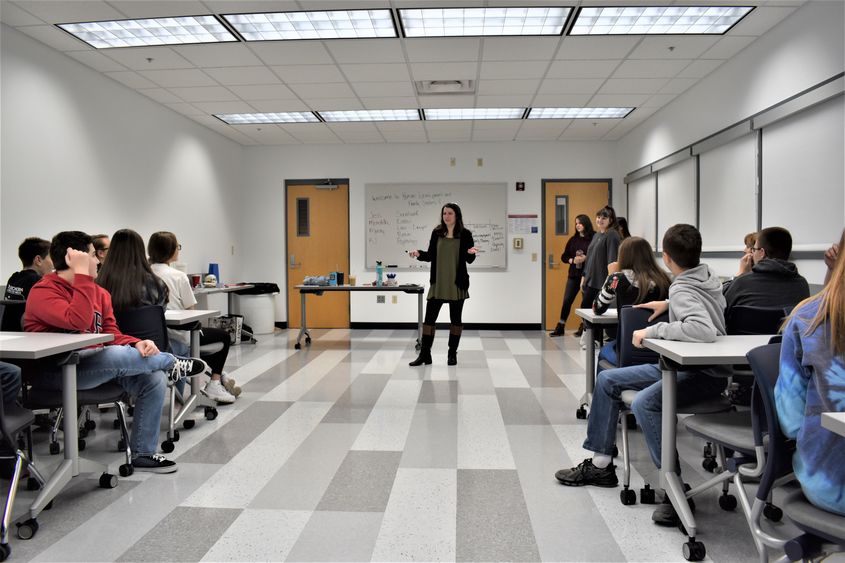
[(610, 213), (589, 231), (635, 254), (442, 230), (127, 273)]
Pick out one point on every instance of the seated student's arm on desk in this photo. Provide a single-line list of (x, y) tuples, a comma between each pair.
[(693, 324), (793, 380)]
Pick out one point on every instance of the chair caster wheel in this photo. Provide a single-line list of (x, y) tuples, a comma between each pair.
[(297, 346), (126, 470), (175, 435), (81, 445), (167, 446), (694, 551), (647, 495), (727, 502), (5, 551), (83, 432), (772, 513), (27, 529), (55, 448), (628, 497), (210, 413), (90, 424), (188, 424), (108, 481), (308, 340), (709, 464), (581, 413)]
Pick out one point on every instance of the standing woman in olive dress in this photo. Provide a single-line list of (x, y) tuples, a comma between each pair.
[(450, 249)]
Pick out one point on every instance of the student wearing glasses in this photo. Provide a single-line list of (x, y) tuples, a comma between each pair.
[(101, 248)]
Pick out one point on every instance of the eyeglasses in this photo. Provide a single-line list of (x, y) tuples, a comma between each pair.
[(756, 248)]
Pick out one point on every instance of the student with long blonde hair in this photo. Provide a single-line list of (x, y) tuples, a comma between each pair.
[(812, 381)]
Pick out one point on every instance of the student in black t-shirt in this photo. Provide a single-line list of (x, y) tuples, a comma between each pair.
[(34, 253)]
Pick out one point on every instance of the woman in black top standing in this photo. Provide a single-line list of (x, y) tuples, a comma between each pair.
[(450, 249), (603, 250), (575, 254)]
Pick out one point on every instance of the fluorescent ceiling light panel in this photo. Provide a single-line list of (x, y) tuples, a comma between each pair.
[(460, 22), (474, 113), (280, 117), (371, 115), (579, 113), (336, 24), (658, 20), (154, 31)]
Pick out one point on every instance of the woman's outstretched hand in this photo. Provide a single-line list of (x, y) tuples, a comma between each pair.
[(413, 253), (473, 250)]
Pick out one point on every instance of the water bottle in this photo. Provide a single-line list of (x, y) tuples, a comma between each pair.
[(379, 273)]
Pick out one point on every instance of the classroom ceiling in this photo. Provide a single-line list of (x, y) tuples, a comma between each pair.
[(645, 72)]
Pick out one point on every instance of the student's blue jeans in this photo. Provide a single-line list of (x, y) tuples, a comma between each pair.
[(608, 353), (10, 381), (143, 378), (604, 410)]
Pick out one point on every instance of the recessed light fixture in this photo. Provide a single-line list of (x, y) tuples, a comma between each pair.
[(152, 31), (279, 117), (474, 113), (371, 115), (657, 20), (578, 113), (460, 22), (335, 24)]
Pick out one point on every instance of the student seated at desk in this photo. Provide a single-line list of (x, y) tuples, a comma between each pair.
[(34, 253), (696, 314), (68, 300), (812, 381), (163, 249)]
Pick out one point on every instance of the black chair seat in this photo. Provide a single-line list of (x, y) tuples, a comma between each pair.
[(811, 518), (109, 392), (731, 429), (16, 419)]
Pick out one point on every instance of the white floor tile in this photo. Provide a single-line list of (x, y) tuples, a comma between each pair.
[(259, 535), (295, 386), (482, 440), (506, 373)]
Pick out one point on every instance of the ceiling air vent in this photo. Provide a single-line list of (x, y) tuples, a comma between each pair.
[(434, 87)]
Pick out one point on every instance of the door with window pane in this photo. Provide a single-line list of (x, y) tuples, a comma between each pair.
[(317, 243), (563, 201)]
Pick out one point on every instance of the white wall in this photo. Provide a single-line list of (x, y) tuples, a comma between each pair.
[(83, 152), (510, 297)]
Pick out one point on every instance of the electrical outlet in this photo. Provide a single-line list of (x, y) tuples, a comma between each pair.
[(380, 299), (394, 299)]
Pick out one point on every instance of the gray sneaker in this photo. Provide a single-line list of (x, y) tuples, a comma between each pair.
[(155, 463), (585, 473)]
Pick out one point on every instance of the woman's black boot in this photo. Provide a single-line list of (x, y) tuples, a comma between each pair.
[(425, 347), (454, 340)]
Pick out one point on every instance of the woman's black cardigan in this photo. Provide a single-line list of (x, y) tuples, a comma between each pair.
[(464, 258)]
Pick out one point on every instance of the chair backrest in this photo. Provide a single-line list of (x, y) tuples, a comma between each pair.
[(11, 315), (631, 319), (146, 323), (743, 319), (765, 363)]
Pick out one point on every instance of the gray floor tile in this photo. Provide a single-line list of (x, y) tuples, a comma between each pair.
[(439, 392), (558, 403), (520, 406), (225, 443), (537, 372), (492, 519), (268, 380), (362, 482), (358, 400), (337, 536), (333, 384), (475, 381), (494, 344), (185, 534), (433, 438)]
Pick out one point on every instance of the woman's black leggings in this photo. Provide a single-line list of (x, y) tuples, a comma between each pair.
[(432, 309), (569, 295), (215, 360)]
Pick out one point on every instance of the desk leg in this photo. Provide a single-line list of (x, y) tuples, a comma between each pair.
[(590, 370), (419, 320), (669, 477), (303, 329)]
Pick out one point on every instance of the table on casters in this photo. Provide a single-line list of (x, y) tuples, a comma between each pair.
[(320, 289), (35, 346), (591, 319)]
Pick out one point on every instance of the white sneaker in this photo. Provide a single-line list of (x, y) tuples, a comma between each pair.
[(214, 390), (229, 384)]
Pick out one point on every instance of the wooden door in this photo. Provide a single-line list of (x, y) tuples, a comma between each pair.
[(578, 197), (317, 243)]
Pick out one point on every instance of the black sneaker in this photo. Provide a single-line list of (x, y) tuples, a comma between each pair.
[(187, 367), (666, 515), (586, 473), (155, 463)]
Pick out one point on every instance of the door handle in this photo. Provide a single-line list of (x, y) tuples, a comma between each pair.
[(293, 263), (551, 261)]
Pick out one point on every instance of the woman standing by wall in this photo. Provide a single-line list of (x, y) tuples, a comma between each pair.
[(450, 249), (603, 250), (575, 254)]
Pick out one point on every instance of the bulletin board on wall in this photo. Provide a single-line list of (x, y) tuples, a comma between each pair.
[(400, 217)]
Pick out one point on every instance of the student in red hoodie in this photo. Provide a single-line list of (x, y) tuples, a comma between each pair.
[(68, 300)]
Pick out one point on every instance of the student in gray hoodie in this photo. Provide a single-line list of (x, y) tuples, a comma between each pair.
[(696, 314)]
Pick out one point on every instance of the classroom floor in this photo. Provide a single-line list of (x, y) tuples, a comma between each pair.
[(342, 452)]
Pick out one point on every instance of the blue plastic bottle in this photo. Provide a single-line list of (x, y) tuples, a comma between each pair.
[(379, 273)]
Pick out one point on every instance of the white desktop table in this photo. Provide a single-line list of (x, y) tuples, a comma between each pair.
[(728, 350), (227, 289), (834, 421), (175, 318), (38, 345), (320, 289), (610, 317)]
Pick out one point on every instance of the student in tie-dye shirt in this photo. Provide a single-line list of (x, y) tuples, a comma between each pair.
[(812, 381)]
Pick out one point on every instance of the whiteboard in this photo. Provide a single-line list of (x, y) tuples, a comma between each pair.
[(675, 197), (641, 208), (401, 217)]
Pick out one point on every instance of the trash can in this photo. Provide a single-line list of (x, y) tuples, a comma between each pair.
[(257, 306)]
